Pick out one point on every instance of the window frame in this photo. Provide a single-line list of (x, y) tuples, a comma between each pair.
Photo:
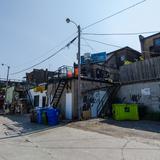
[(155, 42)]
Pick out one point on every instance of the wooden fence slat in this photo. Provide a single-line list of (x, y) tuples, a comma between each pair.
[(142, 70)]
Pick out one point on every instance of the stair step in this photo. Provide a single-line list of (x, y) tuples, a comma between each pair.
[(56, 97), (58, 92), (61, 86)]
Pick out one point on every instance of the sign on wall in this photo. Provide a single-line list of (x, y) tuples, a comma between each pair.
[(146, 91)]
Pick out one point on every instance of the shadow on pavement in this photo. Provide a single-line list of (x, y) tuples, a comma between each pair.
[(20, 125), (144, 125)]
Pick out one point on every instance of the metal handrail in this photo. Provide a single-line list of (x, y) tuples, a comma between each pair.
[(101, 103)]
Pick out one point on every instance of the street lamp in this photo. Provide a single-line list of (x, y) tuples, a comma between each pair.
[(8, 68), (79, 65)]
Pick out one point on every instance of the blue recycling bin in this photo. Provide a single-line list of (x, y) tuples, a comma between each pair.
[(52, 115), (39, 115)]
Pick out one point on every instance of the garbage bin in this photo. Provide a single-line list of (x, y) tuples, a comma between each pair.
[(125, 111), (39, 115), (52, 115)]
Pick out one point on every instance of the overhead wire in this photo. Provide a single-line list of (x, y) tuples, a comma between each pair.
[(42, 61), (68, 44), (81, 48), (50, 50), (115, 45), (88, 45), (86, 39), (112, 15), (112, 45), (119, 34)]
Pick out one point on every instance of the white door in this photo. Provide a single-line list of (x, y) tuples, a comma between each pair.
[(68, 105)]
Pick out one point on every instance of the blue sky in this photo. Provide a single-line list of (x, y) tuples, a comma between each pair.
[(29, 28)]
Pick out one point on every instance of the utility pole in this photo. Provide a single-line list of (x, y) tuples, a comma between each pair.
[(79, 66), (79, 71), (8, 67)]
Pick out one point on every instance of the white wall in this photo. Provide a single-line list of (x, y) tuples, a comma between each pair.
[(41, 95), (148, 93)]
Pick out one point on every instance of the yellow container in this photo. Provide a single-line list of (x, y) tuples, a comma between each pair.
[(39, 89)]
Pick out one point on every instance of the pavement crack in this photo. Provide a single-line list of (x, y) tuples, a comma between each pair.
[(40, 147), (123, 148)]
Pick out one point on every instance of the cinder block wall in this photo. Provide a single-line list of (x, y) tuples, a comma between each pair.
[(151, 101)]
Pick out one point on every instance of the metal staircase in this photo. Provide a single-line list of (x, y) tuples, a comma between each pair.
[(104, 106), (58, 92)]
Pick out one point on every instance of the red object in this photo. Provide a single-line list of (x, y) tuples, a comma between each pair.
[(76, 72), (69, 74)]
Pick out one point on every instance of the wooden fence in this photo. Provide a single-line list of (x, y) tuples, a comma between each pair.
[(141, 71)]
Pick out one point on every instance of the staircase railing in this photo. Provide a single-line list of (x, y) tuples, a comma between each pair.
[(106, 100), (102, 103), (58, 92)]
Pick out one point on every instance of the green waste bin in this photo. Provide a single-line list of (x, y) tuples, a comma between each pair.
[(125, 111)]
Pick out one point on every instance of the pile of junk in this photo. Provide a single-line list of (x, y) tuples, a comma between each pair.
[(47, 116)]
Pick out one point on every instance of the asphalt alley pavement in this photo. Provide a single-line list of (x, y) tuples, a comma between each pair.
[(63, 143)]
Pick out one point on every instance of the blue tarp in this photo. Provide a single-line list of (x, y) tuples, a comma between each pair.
[(96, 58)]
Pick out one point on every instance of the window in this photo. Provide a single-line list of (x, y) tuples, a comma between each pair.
[(122, 58), (157, 42), (36, 101), (43, 101)]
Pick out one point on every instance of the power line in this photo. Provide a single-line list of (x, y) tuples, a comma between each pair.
[(50, 50), (112, 15), (67, 45), (88, 45), (112, 45), (81, 48), (119, 34)]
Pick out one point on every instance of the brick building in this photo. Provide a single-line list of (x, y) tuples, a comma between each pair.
[(38, 76)]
